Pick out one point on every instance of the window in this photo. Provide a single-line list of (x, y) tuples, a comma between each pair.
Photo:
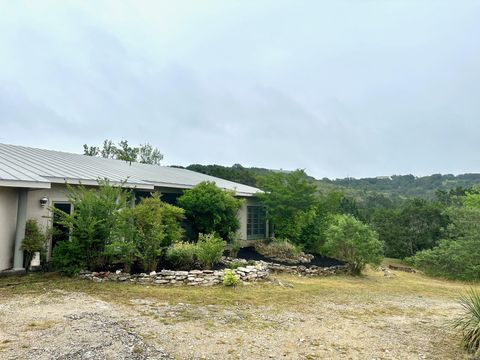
[(60, 232), (256, 222)]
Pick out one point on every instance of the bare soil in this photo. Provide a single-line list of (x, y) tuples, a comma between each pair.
[(404, 317)]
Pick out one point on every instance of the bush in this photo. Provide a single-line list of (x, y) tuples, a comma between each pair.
[(281, 249), (350, 240), (33, 242), (458, 255), (181, 255), (68, 257), (92, 224), (234, 264), (155, 228), (469, 322), (230, 279), (105, 230), (210, 209), (209, 250), (235, 247)]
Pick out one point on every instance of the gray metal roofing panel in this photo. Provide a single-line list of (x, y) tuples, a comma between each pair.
[(31, 164)]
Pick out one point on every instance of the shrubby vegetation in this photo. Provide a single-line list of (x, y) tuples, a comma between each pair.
[(34, 241), (279, 249), (230, 279), (416, 225), (350, 240), (206, 252), (209, 250), (469, 322), (210, 209), (457, 255), (182, 255), (106, 231)]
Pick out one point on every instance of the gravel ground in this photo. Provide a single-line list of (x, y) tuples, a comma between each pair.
[(73, 325)]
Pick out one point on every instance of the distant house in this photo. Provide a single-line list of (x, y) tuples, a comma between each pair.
[(32, 181)]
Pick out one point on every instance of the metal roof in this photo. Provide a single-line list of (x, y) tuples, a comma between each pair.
[(22, 166)]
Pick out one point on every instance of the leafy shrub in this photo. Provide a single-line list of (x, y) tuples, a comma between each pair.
[(33, 242), (181, 255), (105, 230), (92, 224), (210, 209), (155, 227), (458, 255), (68, 257), (280, 249), (234, 248), (209, 250), (230, 279), (234, 264), (350, 240), (469, 322)]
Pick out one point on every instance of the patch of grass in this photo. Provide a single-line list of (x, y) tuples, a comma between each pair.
[(340, 289), (41, 325)]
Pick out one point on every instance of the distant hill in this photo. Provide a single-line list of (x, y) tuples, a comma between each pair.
[(393, 187)]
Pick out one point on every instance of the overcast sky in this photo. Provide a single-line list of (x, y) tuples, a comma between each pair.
[(340, 88)]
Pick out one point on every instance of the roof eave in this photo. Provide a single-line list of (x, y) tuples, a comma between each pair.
[(25, 184)]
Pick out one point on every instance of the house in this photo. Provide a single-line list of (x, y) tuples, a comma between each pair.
[(33, 181)]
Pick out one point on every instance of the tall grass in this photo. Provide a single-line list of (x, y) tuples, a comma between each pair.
[(469, 322)]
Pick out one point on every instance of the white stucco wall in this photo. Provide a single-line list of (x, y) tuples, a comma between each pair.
[(242, 217), (8, 225), (42, 214)]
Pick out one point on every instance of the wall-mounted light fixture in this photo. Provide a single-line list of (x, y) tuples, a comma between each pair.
[(43, 201)]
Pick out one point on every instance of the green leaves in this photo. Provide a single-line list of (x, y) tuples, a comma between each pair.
[(350, 240), (469, 322), (210, 209)]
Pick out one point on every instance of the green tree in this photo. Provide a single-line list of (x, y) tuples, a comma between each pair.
[(457, 256), (416, 225), (109, 150), (90, 150), (210, 209), (356, 243), (288, 197), (147, 154), (126, 152)]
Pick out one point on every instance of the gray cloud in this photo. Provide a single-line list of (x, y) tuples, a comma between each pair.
[(339, 88)]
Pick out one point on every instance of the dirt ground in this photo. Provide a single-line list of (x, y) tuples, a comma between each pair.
[(403, 317)]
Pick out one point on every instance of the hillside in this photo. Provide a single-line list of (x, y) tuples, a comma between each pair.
[(395, 186)]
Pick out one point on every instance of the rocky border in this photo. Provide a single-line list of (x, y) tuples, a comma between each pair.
[(170, 277), (301, 270)]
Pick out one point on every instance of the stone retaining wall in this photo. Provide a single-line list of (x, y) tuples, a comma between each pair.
[(307, 270), (170, 277), (302, 270)]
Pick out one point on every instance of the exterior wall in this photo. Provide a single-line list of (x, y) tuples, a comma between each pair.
[(58, 193), (8, 225), (242, 218)]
